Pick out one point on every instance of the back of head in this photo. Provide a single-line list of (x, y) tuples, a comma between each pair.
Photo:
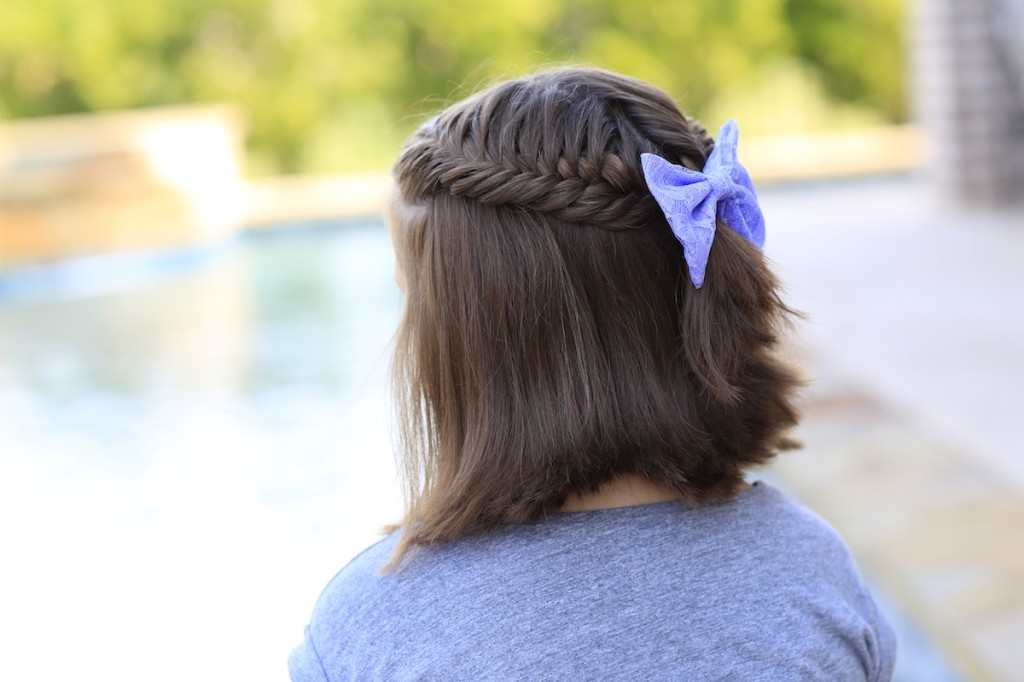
[(552, 338)]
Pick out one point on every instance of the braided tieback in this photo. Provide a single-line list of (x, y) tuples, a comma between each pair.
[(596, 189), (584, 194)]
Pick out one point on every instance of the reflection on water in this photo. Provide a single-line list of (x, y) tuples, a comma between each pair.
[(183, 459)]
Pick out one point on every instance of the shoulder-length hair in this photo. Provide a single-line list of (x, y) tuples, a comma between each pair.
[(552, 338)]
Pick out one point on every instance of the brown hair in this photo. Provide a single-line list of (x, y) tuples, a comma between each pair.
[(552, 338)]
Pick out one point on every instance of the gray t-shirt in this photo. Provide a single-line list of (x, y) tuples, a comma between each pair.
[(756, 588)]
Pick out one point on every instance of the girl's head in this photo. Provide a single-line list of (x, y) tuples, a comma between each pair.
[(552, 338)]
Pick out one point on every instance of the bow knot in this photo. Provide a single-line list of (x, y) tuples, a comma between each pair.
[(694, 201)]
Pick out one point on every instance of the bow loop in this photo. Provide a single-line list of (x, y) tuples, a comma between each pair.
[(694, 201)]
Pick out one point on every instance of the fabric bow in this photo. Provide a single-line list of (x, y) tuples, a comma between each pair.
[(693, 201)]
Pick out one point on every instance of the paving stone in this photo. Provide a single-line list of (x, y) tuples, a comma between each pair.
[(937, 529)]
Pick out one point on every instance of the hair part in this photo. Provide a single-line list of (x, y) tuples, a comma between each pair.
[(552, 338)]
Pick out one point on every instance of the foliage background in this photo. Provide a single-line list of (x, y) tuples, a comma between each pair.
[(332, 85)]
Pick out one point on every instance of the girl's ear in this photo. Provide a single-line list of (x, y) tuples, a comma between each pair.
[(406, 223), (399, 276), (391, 217)]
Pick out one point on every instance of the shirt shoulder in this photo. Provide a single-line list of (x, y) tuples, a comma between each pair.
[(659, 580)]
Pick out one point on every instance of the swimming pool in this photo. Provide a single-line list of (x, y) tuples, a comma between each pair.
[(187, 449)]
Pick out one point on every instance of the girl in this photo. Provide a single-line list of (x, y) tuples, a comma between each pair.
[(584, 372)]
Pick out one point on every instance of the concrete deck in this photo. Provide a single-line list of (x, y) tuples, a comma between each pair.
[(914, 449)]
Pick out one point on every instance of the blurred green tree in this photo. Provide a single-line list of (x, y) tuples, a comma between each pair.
[(857, 47), (336, 84)]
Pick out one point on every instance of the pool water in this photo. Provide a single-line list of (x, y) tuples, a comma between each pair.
[(187, 456)]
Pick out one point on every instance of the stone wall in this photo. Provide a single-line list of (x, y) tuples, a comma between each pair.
[(968, 74)]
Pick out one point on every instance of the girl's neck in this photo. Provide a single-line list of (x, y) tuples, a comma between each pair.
[(626, 490)]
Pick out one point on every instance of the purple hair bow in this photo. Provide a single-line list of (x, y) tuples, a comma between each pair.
[(692, 201)]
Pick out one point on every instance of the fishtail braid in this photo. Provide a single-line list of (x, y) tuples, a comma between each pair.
[(572, 155)]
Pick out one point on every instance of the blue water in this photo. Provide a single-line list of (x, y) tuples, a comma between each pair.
[(189, 446)]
